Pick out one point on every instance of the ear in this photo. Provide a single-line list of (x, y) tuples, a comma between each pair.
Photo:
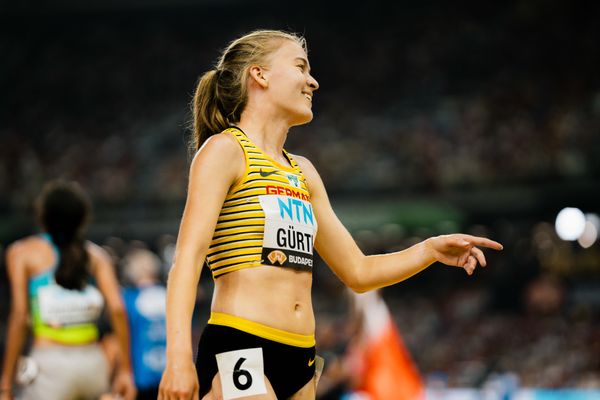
[(257, 74)]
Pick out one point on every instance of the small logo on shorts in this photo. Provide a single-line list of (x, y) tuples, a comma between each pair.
[(311, 362), (277, 256)]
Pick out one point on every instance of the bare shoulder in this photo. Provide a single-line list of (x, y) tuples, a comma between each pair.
[(23, 252), (309, 171), (96, 251), (22, 247), (223, 145), (221, 153), (305, 164), (98, 256)]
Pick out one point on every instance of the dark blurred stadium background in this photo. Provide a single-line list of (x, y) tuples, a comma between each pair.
[(432, 117)]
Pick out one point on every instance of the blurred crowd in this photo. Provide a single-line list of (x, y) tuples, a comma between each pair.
[(451, 99), (532, 313)]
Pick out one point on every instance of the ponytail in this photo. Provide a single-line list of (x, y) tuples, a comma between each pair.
[(63, 211), (72, 271), (209, 117), (222, 94)]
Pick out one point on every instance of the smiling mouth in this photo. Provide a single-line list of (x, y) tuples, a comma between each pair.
[(308, 96)]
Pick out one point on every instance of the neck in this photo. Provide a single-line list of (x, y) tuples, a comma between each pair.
[(266, 131)]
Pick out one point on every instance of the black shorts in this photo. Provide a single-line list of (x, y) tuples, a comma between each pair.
[(289, 368)]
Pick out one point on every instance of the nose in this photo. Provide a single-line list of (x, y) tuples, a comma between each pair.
[(312, 83)]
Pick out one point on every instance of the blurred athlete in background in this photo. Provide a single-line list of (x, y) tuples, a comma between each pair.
[(252, 215), (61, 282), (145, 304)]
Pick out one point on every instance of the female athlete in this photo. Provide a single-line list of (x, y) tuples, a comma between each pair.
[(60, 283), (255, 214)]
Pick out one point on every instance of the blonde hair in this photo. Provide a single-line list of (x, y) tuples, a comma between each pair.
[(222, 93)]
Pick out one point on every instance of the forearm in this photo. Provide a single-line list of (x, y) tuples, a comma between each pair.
[(181, 298), (382, 270), (17, 327), (121, 329)]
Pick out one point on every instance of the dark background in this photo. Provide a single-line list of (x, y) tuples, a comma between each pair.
[(432, 117)]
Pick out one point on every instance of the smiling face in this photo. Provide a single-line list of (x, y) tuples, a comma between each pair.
[(290, 85)]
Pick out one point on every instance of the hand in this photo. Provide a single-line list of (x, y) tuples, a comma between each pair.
[(123, 385), (179, 382), (459, 250)]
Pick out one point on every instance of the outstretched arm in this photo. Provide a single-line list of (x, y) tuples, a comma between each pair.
[(17, 320), (363, 273)]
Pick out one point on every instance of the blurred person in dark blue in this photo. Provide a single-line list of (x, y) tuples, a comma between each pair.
[(145, 303)]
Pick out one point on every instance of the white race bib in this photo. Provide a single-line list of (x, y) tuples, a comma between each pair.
[(242, 373), (290, 229), (60, 306)]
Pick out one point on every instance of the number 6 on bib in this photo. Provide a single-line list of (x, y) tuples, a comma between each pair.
[(242, 373)]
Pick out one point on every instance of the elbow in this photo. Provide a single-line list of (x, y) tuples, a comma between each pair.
[(358, 289), (187, 265), (356, 280), (359, 281)]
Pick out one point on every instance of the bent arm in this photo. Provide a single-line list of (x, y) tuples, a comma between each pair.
[(17, 320), (338, 249), (362, 273)]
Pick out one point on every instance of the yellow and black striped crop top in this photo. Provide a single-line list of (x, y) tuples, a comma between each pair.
[(266, 218)]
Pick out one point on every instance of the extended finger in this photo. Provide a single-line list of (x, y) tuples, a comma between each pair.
[(478, 254), (484, 242)]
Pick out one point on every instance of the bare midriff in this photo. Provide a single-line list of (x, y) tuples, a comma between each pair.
[(273, 296)]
